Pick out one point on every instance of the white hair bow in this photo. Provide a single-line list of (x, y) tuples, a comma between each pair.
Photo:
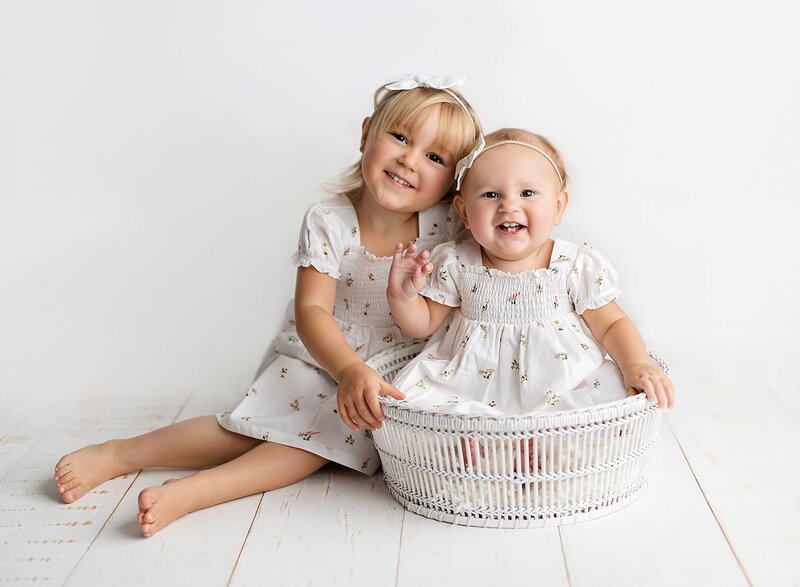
[(437, 82), (466, 162)]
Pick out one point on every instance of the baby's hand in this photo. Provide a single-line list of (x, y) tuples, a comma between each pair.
[(652, 381), (357, 397), (407, 273)]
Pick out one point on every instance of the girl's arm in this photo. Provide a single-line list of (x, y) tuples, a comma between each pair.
[(416, 316), (618, 335), (359, 385)]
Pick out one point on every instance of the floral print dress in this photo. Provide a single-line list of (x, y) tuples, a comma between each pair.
[(516, 344), (293, 400)]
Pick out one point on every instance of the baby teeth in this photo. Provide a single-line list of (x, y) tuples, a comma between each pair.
[(399, 180)]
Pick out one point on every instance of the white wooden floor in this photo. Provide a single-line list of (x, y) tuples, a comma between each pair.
[(723, 507)]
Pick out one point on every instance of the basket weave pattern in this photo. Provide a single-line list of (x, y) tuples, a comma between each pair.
[(514, 471)]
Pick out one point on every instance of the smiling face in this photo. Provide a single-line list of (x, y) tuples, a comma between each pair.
[(407, 170), (510, 200)]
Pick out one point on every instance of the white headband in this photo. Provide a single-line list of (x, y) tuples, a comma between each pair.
[(436, 82), (469, 160)]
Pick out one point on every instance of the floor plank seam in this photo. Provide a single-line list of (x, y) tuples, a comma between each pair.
[(710, 506), (564, 557), (244, 542), (400, 549), (103, 527)]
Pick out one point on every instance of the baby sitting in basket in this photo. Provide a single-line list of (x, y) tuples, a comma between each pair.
[(535, 316)]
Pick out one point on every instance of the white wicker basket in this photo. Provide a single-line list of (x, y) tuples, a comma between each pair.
[(514, 472)]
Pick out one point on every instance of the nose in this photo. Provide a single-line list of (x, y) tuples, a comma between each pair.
[(408, 159), (508, 205)]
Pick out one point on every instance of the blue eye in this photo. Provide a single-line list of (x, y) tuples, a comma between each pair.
[(435, 158), (527, 193), (490, 195), (399, 137)]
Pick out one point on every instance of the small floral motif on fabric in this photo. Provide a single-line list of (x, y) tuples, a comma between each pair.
[(446, 373), (350, 440), (349, 280), (283, 372), (368, 434), (432, 231), (443, 274), (354, 230), (464, 341), (584, 346), (293, 339), (322, 396), (388, 338), (421, 384), (484, 331), (512, 299), (486, 373), (551, 398), (514, 364), (596, 383), (523, 339), (492, 404), (251, 392), (562, 356), (307, 435), (364, 465), (562, 259), (295, 404), (524, 377), (474, 288)]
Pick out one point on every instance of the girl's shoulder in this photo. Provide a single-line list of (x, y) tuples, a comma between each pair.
[(439, 223), (461, 254), (570, 254), (333, 214)]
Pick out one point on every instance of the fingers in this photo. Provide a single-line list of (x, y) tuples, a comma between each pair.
[(390, 390)]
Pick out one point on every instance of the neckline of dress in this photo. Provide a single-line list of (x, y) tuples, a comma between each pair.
[(369, 254), (553, 257)]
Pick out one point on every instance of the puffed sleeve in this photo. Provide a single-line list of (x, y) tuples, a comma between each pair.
[(442, 284), (320, 243), (592, 282)]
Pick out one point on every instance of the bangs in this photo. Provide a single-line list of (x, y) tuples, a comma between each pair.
[(456, 132)]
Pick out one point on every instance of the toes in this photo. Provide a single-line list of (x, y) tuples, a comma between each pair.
[(148, 530)]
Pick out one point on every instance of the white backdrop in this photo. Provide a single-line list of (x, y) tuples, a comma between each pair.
[(156, 158)]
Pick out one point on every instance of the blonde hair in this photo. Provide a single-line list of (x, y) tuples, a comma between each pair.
[(405, 110), (536, 140)]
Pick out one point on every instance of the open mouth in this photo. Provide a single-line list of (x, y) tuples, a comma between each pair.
[(511, 228), (398, 180)]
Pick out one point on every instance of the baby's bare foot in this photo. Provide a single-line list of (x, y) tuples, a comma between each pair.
[(162, 505), (81, 471)]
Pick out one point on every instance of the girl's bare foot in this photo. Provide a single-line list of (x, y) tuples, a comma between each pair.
[(160, 506), (81, 471)]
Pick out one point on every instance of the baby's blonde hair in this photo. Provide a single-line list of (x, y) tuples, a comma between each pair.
[(404, 110), (526, 136)]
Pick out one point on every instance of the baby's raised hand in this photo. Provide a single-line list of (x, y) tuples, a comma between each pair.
[(652, 381), (407, 273), (357, 396)]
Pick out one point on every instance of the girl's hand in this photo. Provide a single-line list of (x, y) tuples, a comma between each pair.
[(357, 396), (407, 273), (652, 381)]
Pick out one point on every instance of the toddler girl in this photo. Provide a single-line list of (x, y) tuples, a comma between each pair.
[(308, 406), (535, 316)]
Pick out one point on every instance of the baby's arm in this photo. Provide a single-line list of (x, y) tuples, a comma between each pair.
[(416, 316), (359, 385), (619, 336)]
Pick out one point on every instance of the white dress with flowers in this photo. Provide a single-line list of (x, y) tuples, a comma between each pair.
[(293, 401), (516, 343)]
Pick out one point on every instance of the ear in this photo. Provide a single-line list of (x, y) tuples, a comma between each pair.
[(364, 133), (461, 208), (562, 199)]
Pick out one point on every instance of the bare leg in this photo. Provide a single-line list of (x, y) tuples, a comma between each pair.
[(195, 443), (267, 466)]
